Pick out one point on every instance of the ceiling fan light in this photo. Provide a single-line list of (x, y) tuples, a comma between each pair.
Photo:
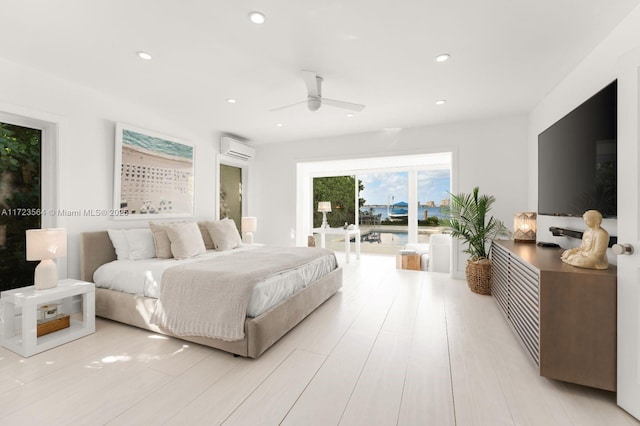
[(314, 104), (257, 17)]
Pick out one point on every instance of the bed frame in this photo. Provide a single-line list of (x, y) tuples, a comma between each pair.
[(260, 332)]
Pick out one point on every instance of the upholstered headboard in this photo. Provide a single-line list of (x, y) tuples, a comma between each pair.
[(96, 249)]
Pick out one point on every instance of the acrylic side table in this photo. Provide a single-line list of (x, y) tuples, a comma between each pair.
[(19, 309)]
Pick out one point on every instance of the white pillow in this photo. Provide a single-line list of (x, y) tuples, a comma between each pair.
[(186, 240), (141, 244), (224, 234), (119, 242)]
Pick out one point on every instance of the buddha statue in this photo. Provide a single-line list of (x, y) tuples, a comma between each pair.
[(592, 253)]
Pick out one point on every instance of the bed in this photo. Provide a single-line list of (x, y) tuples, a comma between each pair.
[(260, 332)]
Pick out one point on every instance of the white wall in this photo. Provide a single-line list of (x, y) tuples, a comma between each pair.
[(598, 69), (490, 154), (86, 121)]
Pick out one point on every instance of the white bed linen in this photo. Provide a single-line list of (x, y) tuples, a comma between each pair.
[(145, 277)]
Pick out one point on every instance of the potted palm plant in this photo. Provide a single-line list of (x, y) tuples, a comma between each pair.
[(469, 223)]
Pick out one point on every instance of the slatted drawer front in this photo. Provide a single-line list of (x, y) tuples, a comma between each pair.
[(515, 285), (500, 277)]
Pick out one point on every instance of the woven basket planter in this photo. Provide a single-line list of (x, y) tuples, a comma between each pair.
[(479, 276)]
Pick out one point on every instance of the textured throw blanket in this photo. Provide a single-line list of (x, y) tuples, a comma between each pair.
[(210, 298)]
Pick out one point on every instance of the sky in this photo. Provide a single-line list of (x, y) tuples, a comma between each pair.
[(433, 185)]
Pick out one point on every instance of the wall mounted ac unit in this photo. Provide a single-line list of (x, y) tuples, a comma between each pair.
[(235, 148)]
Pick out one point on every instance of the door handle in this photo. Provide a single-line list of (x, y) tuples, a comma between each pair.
[(622, 249)]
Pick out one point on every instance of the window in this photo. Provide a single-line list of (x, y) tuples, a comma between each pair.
[(20, 200), (384, 216), (433, 197)]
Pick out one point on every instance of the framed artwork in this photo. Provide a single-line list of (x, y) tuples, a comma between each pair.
[(153, 175)]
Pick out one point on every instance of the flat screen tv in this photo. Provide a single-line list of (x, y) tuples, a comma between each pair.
[(577, 159)]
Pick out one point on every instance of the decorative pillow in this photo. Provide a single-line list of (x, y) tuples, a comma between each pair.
[(186, 240), (141, 245), (119, 242), (206, 237), (224, 234), (161, 240)]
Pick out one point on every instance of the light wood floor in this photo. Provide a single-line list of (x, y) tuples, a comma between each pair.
[(392, 347)]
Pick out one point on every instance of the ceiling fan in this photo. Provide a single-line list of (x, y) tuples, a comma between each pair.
[(314, 95)]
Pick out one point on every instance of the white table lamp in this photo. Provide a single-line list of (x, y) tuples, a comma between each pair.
[(249, 226), (46, 245), (324, 207)]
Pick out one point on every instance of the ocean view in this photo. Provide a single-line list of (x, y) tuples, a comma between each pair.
[(431, 211)]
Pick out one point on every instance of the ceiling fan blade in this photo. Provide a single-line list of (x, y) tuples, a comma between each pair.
[(288, 106), (343, 104), (313, 83)]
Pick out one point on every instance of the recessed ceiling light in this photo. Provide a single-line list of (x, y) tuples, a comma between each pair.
[(443, 57), (441, 102), (256, 17), (279, 124), (350, 114), (144, 55), (231, 100)]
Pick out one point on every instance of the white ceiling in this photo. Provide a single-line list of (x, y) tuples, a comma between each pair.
[(505, 56)]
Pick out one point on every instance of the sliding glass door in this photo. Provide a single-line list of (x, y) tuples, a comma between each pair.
[(395, 200), (384, 215), (402, 207), (433, 188)]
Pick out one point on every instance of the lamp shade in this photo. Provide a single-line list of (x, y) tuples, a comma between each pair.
[(524, 227), (324, 206), (48, 243), (249, 224)]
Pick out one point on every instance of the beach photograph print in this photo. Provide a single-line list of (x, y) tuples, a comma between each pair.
[(154, 175)]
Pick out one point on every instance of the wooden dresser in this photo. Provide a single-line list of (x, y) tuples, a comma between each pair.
[(564, 316)]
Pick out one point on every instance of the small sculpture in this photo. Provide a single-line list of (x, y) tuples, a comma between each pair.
[(592, 253)]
